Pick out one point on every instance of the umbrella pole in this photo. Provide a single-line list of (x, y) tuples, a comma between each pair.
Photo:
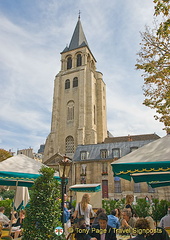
[(10, 225)]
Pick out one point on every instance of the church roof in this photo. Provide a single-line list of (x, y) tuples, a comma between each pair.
[(121, 143), (78, 39)]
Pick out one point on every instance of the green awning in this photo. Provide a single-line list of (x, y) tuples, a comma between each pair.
[(86, 188), (151, 158), (159, 184), (149, 177)]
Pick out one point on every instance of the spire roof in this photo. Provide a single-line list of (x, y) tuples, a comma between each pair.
[(78, 39)]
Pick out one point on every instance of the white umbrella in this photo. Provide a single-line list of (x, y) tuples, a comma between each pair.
[(21, 198)]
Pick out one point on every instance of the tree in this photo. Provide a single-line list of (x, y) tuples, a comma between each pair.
[(159, 209), (154, 60), (4, 154), (142, 207), (43, 214)]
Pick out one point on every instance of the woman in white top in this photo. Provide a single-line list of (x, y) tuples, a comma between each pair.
[(85, 209)]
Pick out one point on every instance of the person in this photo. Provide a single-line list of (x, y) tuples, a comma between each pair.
[(156, 233), (68, 204), (67, 222), (129, 201), (17, 227), (13, 216), (140, 226), (3, 218), (82, 233), (95, 221), (85, 209), (103, 231), (113, 221), (165, 221), (127, 221), (118, 213)]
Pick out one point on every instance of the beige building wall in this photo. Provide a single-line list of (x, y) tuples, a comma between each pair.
[(88, 99), (94, 175)]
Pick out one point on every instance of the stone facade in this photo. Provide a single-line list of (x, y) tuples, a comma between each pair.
[(92, 164), (79, 127), (79, 102)]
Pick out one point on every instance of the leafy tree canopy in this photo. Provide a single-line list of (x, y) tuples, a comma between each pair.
[(154, 60), (4, 154)]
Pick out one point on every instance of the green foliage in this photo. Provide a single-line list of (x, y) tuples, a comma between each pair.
[(7, 204), (7, 194), (4, 155), (74, 203), (142, 208), (44, 211), (109, 205), (153, 59), (159, 209)]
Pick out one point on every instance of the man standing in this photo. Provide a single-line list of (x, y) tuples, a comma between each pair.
[(165, 221)]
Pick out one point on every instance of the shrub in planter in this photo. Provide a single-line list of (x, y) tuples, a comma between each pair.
[(142, 208), (159, 209), (109, 204), (43, 214)]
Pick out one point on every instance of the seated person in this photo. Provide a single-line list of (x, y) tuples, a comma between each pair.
[(127, 220), (95, 221), (103, 231), (3, 218), (156, 233), (140, 226), (13, 216), (113, 221), (17, 227), (82, 233)]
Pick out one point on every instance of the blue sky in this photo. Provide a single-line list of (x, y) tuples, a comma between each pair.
[(34, 32)]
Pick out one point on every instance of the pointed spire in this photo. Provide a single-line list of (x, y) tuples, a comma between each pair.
[(79, 14), (78, 39)]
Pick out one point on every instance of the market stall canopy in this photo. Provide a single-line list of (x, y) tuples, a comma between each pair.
[(20, 170), (151, 158), (86, 187), (93, 189)]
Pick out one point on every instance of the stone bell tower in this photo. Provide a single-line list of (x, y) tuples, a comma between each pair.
[(79, 101)]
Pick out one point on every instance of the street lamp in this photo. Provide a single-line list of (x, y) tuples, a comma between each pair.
[(64, 169)]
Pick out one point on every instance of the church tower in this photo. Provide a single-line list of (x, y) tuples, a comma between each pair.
[(79, 101)]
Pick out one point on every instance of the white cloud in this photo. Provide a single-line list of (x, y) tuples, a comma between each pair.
[(30, 59)]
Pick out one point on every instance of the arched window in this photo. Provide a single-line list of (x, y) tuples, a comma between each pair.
[(69, 144), (69, 63), (75, 82), (70, 110), (79, 60), (67, 84)]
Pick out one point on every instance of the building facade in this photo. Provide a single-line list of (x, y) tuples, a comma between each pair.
[(79, 101), (92, 164), (79, 128)]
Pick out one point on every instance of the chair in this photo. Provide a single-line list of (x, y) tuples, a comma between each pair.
[(6, 238), (5, 232), (168, 230)]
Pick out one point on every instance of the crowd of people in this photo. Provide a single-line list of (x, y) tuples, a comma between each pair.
[(88, 225), (15, 220)]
